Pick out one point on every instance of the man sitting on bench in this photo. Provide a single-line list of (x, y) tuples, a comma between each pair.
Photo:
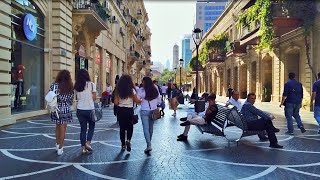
[(251, 113), (193, 119), (234, 100)]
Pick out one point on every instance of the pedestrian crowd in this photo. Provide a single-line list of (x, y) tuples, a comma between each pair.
[(151, 97)]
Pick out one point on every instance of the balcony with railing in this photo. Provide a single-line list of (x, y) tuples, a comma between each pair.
[(95, 14), (132, 23), (234, 48), (216, 58), (283, 22), (249, 34)]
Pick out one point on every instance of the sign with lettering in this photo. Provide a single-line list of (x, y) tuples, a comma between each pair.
[(30, 27)]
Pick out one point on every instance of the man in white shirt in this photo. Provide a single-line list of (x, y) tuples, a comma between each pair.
[(234, 100), (163, 91)]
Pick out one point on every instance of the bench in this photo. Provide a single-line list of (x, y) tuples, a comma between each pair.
[(227, 117), (238, 120), (218, 124)]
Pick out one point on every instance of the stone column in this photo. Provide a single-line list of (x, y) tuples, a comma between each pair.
[(113, 70), (275, 97), (62, 55), (5, 66), (103, 73)]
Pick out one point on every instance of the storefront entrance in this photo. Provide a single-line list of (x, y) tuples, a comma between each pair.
[(27, 57)]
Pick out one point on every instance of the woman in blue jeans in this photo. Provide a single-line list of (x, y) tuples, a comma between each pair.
[(150, 99), (86, 95)]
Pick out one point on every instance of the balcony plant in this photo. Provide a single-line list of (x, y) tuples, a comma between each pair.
[(259, 12)]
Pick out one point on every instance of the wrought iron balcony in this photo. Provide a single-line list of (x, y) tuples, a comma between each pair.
[(100, 9), (216, 58)]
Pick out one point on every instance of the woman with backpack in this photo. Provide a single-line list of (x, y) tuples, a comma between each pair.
[(150, 99), (125, 97), (63, 88), (86, 95)]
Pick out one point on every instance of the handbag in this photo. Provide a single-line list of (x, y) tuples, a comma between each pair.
[(135, 117), (155, 114), (96, 113)]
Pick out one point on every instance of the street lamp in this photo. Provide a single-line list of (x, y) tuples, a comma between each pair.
[(197, 37), (181, 64)]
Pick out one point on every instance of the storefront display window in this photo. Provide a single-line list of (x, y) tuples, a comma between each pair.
[(97, 77), (27, 57)]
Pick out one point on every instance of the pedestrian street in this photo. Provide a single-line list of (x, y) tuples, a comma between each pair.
[(27, 151)]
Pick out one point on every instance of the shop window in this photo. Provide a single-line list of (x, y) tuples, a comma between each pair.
[(27, 57)]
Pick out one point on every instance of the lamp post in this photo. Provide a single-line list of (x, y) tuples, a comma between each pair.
[(181, 64), (197, 37)]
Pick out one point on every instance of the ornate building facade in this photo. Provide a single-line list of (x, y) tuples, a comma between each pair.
[(264, 72), (40, 38)]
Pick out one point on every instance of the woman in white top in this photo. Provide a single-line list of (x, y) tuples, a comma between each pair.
[(150, 99), (125, 97), (86, 95)]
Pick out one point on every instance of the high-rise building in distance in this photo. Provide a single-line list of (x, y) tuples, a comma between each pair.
[(208, 11), (186, 50)]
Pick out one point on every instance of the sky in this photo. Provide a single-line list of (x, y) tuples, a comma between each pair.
[(169, 21)]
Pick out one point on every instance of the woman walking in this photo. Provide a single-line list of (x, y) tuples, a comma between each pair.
[(86, 95), (150, 99), (172, 93), (63, 87), (125, 97)]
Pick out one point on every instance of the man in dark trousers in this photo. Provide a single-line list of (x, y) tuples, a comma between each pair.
[(229, 91), (292, 96), (251, 114), (316, 97)]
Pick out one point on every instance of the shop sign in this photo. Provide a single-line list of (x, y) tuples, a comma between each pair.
[(98, 58), (81, 51), (108, 61), (30, 27), (82, 63)]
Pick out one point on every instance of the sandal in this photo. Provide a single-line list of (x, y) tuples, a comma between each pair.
[(123, 147), (88, 147)]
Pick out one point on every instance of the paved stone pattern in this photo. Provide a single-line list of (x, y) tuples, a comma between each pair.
[(27, 152)]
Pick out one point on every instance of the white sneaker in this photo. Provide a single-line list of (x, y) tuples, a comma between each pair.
[(60, 151), (57, 147)]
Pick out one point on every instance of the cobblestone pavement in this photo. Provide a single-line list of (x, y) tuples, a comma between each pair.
[(27, 152)]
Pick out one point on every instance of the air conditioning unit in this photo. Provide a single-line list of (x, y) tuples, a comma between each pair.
[(113, 19)]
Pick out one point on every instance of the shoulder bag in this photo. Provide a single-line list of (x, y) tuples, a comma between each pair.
[(96, 113), (155, 114)]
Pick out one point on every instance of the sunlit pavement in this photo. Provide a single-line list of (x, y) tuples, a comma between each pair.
[(28, 152)]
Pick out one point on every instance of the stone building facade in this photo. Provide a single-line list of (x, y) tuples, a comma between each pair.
[(264, 72), (41, 37)]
